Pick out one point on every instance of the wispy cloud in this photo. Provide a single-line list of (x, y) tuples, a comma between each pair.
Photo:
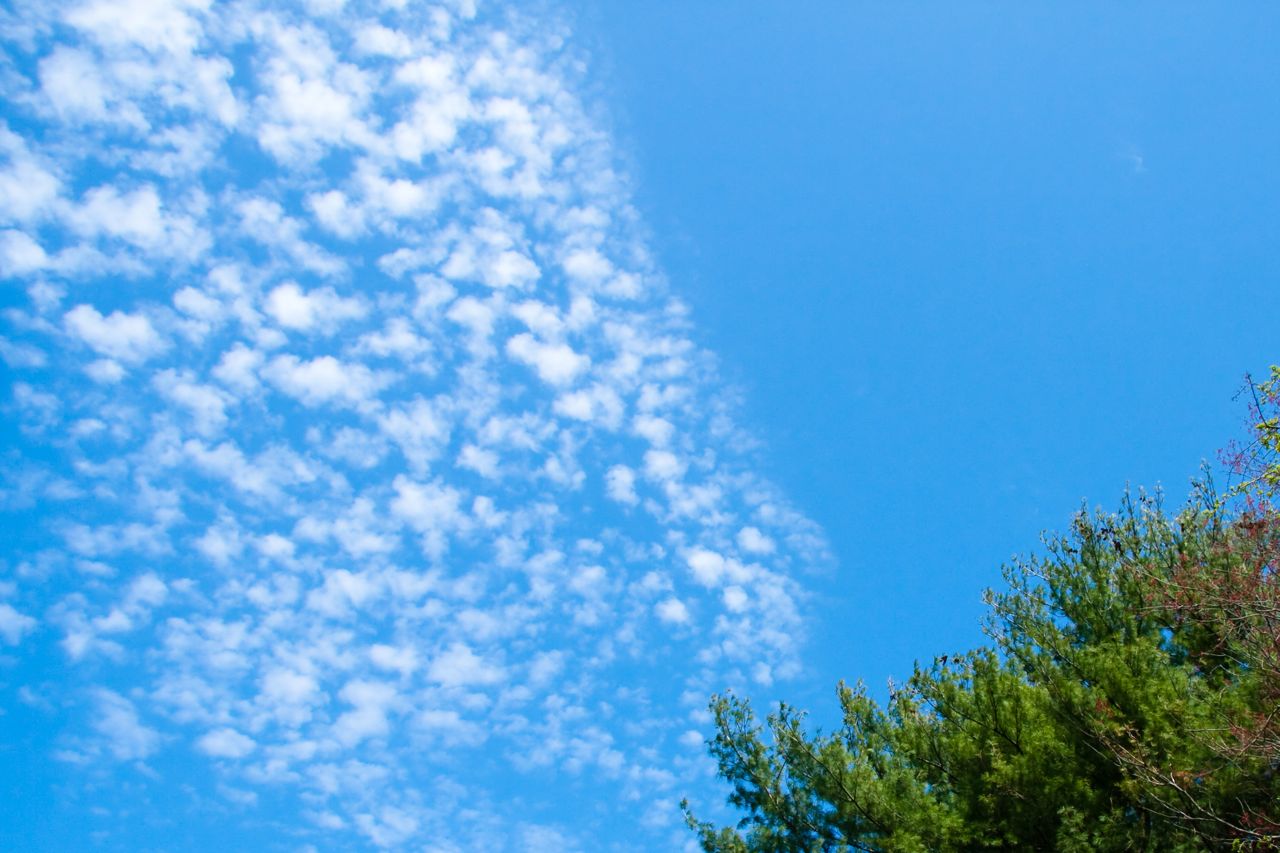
[(401, 456)]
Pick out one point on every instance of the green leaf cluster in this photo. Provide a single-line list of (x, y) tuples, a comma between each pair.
[(1098, 719)]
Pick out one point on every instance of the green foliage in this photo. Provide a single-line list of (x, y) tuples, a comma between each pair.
[(1114, 711), (1257, 462)]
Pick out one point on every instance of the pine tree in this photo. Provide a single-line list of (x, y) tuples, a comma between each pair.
[(1129, 700)]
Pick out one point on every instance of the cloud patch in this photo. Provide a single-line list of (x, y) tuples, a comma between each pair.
[(383, 477)]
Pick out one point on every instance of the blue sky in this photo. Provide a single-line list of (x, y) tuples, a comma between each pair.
[(971, 264), (414, 412)]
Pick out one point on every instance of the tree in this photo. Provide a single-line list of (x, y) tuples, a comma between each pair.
[(1257, 461), (1130, 700)]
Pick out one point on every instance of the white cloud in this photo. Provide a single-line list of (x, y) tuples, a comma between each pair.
[(762, 674), (20, 254), (620, 482), (265, 220), (663, 465), (432, 509), (288, 687), (27, 190), (391, 827), (657, 430), (459, 666), (598, 404), (206, 404), (421, 430), (72, 83), (323, 380), (382, 41), (451, 727), (555, 364), (406, 356), (14, 625), (126, 337), (137, 217), (397, 340), (397, 197), (399, 659), (440, 107), (474, 314), (157, 25), (350, 446), (226, 743), (343, 590), (313, 100), (321, 309), (133, 216), (221, 544), (510, 269), (587, 266), (707, 566), (335, 212), (19, 356), (672, 610), (484, 462), (490, 254), (371, 701), (127, 739), (263, 476), (751, 540), (735, 599), (105, 371), (197, 304), (238, 368)]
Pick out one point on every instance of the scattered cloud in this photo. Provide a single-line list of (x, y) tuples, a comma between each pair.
[(371, 444)]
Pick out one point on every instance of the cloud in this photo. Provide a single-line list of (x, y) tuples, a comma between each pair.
[(663, 465), (124, 735), (420, 428), (289, 687), (157, 25), (226, 743), (556, 364), (266, 221), (313, 101), (735, 599), (751, 540), (14, 625), (125, 337), (371, 442), (20, 254), (459, 666), (431, 509), (72, 83), (320, 309), (620, 482), (370, 701), (322, 380), (707, 566), (238, 368), (336, 214), (206, 404), (587, 266), (28, 191), (483, 462), (134, 216), (672, 610), (599, 404)]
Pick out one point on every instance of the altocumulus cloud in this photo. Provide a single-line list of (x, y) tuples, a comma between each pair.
[(358, 452)]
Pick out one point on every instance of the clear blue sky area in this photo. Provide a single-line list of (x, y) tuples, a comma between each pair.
[(971, 264)]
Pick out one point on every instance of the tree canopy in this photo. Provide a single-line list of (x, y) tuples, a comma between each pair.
[(1129, 699)]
